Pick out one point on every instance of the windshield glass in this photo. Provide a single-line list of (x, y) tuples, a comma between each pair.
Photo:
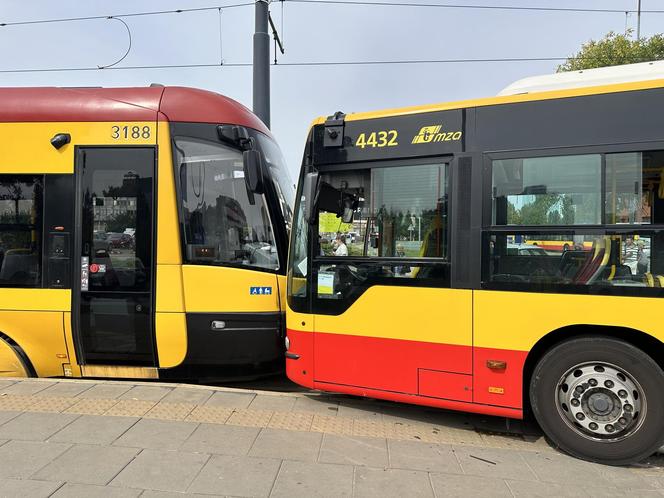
[(222, 223), (297, 272), (280, 177)]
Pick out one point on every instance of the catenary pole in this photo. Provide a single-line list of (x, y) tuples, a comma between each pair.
[(638, 20), (262, 63)]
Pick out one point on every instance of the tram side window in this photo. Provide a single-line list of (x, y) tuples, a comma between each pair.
[(21, 204), (222, 223)]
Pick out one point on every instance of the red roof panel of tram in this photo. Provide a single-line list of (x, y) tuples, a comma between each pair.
[(51, 104)]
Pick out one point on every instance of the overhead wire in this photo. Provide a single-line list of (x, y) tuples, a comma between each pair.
[(474, 6), (300, 64), (130, 14), (308, 63)]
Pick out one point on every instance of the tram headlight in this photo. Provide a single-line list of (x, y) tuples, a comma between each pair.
[(287, 343)]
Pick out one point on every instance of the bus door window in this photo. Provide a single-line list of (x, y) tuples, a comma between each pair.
[(222, 223), (399, 231)]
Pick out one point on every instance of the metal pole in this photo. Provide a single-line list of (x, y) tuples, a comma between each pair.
[(638, 20), (262, 63)]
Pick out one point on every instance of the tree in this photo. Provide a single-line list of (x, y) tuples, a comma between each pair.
[(615, 49), (120, 221)]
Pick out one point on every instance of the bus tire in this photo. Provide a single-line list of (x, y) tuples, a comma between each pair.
[(600, 399)]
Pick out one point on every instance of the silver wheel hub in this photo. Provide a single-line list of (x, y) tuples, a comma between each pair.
[(600, 401)]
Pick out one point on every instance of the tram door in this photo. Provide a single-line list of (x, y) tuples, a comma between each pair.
[(114, 244)]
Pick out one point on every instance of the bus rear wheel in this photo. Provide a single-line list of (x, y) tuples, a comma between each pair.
[(600, 399)]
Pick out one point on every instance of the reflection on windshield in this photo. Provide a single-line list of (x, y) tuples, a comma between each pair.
[(280, 177), (221, 223)]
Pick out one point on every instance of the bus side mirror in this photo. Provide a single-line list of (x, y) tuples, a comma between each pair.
[(308, 192), (253, 171)]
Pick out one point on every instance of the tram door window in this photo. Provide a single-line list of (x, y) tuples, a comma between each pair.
[(116, 254)]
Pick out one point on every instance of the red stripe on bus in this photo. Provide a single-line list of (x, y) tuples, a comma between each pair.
[(396, 368)]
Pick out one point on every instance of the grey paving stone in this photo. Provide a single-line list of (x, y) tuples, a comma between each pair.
[(146, 393), (161, 470), (316, 404), (536, 489), (491, 462), (599, 492), (157, 434), (287, 445), (362, 409), (414, 455), (25, 388), (192, 395), (27, 488), (21, 459), (94, 429), (273, 403), (221, 439), (354, 450), (391, 482), (562, 469), (106, 391), (230, 399), (6, 416), (35, 426), (168, 494), (6, 383), (65, 389), (462, 486), (624, 477), (90, 491), (237, 476), (88, 464), (314, 480)]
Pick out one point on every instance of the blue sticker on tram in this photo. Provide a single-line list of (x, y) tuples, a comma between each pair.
[(260, 291)]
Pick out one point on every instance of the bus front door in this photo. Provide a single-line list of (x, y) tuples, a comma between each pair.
[(114, 280)]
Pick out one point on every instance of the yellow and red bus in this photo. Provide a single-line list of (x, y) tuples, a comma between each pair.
[(143, 234), (465, 320)]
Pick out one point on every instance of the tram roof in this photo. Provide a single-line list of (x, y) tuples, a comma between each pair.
[(163, 103)]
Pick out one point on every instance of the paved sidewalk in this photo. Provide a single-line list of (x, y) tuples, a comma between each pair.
[(126, 439)]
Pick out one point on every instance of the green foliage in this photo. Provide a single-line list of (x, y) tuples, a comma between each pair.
[(121, 221), (615, 49), (548, 209)]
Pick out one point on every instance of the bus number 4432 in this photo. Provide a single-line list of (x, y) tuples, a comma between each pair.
[(377, 139)]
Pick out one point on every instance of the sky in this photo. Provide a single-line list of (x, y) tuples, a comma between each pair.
[(311, 33)]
